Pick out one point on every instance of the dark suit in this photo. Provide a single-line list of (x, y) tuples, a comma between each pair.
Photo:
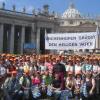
[(60, 70)]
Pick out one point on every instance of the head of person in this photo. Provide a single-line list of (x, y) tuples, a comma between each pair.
[(25, 74), (95, 61), (86, 60), (46, 72), (70, 62), (46, 57), (78, 76), (58, 59), (1, 61), (90, 60), (63, 58), (78, 61), (53, 60), (70, 75), (37, 74)]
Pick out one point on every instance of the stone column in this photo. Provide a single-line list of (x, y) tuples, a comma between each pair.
[(22, 39), (12, 39), (97, 38), (97, 43), (38, 41), (33, 37), (1, 37)]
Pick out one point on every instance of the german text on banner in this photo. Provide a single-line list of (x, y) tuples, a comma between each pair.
[(70, 41)]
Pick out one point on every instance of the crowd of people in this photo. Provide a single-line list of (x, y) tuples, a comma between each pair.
[(59, 77)]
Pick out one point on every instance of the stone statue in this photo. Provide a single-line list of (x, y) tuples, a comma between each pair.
[(39, 11), (33, 11), (14, 8), (24, 10), (46, 9), (3, 5)]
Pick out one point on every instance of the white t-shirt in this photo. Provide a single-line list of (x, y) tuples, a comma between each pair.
[(95, 68), (78, 69), (69, 68), (43, 68)]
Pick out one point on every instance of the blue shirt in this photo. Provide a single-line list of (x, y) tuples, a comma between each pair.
[(87, 67)]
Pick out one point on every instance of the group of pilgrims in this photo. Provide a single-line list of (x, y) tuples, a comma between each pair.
[(55, 77)]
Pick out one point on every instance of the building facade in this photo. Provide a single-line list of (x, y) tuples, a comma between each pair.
[(19, 28)]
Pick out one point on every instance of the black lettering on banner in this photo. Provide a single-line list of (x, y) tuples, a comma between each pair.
[(67, 44), (86, 44), (86, 37), (60, 38), (52, 44)]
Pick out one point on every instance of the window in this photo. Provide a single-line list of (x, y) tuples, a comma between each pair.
[(71, 22), (93, 23), (62, 22), (80, 23)]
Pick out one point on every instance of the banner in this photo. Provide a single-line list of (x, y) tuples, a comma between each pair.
[(29, 46), (70, 41)]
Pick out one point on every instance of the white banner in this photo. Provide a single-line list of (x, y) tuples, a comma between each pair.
[(70, 41)]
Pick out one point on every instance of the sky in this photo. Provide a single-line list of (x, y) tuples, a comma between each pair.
[(85, 7)]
